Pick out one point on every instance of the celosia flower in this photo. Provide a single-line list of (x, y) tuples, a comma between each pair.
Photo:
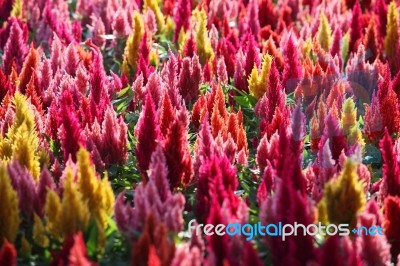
[(24, 184), (182, 12), (252, 55), (39, 234), (96, 192), (392, 34), (375, 250), (324, 33), (167, 114), (153, 5), (344, 250), (45, 184), (151, 199), (292, 72), (132, 45), (203, 45), (30, 65), (15, 49), (288, 206), (190, 78), (73, 252), (258, 82), (73, 215), (392, 222), (70, 130), (356, 29), (21, 142), (9, 212), (217, 179), (390, 169), (154, 247), (177, 153), (8, 254), (338, 207), (147, 133)]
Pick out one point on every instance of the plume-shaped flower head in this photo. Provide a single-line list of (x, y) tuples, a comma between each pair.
[(9, 211), (147, 133), (338, 207)]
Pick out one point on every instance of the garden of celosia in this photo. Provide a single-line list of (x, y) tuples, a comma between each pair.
[(128, 129)]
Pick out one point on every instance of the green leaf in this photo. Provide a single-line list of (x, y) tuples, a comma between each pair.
[(92, 239)]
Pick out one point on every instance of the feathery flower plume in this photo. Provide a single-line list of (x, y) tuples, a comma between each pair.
[(391, 223), (71, 59), (147, 133), (177, 153), (190, 79), (166, 114), (221, 72), (287, 205), (252, 55), (203, 45), (371, 42), (99, 95), (252, 17), (15, 49), (182, 12), (9, 211), (153, 246), (22, 142), (153, 5), (388, 102), (217, 179), (390, 169), (324, 33), (73, 252), (30, 65), (392, 35), (381, 10), (8, 254), (24, 184), (292, 72), (46, 183), (151, 199), (356, 26), (258, 82), (375, 250), (131, 52), (344, 250), (70, 130), (239, 76), (338, 207)]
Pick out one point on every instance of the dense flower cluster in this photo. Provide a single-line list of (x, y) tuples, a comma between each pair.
[(121, 121)]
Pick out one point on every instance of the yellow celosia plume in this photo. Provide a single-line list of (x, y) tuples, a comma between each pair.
[(349, 113), (343, 198), (392, 34), (96, 192), (203, 44), (53, 214), (9, 211), (345, 46), (324, 33), (21, 141), (39, 232), (258, 82), (349, 123), (131, 52), (17, 9), (74, 210), (85, 198)]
